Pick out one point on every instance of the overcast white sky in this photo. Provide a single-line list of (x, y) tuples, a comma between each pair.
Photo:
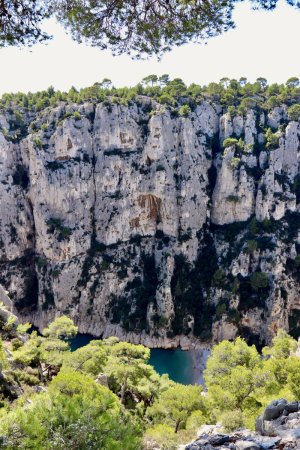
[(263, 44)]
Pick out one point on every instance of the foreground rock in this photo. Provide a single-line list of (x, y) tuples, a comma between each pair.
[(277, 428)]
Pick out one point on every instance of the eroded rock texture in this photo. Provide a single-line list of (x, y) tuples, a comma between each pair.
[(278, 428), (141, 224)]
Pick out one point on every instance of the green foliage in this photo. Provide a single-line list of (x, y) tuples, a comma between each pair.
[(29, 353), (293, 378), (184, 111), (247, 103), (180, 99), (272, 102), (251, 246), (229, 142), (219, 278), (282, 346), (10, 323), (37, 142), (129, 374), (220, 310), (187, 285), (20, 23), (259, 280), (75, 413), (293, 82), (153, 79), (150, 29), (89, 359), (195, 420), (51, 349), (232, 420), (175, 406), (233, 198), (294, 112), (272, 139), (161, 435), (235, 377), (279, 357), (77, 115), (61, 328), (2, 356), (234, 162), (240, 383), (55, 225)]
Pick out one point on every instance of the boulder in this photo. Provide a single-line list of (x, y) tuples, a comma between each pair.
[(102, 379), (274, 409), (278, 428), (247, 445)]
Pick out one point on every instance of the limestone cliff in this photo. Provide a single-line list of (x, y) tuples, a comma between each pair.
[(141, 223)]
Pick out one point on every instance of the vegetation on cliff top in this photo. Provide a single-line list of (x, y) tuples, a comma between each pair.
[(235, 95), (106, 395)]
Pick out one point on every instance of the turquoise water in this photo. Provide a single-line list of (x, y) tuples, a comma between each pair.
[(177, 363), (80, 341)]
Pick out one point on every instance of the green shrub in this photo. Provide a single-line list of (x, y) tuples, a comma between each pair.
[(219, 278), (229, 142), (16, 343), (251, 246), (272, 139), (294, 112), (37, 142), (232, 111), (195, 420), (234, 162), (233, 198), (56, 225), (220, 310), (259, 280), (297, 261), (161, 436), (232, 420), (184, 111), (247, 148), (77, 115)]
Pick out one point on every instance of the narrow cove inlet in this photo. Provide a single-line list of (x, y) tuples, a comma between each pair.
[(178, 364), (182, 366)]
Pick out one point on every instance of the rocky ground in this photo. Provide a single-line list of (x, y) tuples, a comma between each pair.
[(277, 428)]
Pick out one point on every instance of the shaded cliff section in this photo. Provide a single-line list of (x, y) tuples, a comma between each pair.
[(156, 228)]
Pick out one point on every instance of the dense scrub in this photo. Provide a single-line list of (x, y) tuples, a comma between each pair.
[(235, 96), (106, 395)]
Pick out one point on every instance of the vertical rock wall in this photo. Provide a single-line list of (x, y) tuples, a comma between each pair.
[(141, 224)]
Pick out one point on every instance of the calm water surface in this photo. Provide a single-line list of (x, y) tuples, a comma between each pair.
[(80, 341), (178, 364)]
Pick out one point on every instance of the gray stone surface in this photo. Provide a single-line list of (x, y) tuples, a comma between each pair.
[(81, 210), (281, 433)]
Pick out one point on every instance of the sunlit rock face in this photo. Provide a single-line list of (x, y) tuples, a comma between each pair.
[(140, 223)]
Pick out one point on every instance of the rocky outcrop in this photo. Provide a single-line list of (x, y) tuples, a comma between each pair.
[(277, 428), (139, 223)]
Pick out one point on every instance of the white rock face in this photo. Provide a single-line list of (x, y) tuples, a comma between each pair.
[(117, 218), (233, 196)]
